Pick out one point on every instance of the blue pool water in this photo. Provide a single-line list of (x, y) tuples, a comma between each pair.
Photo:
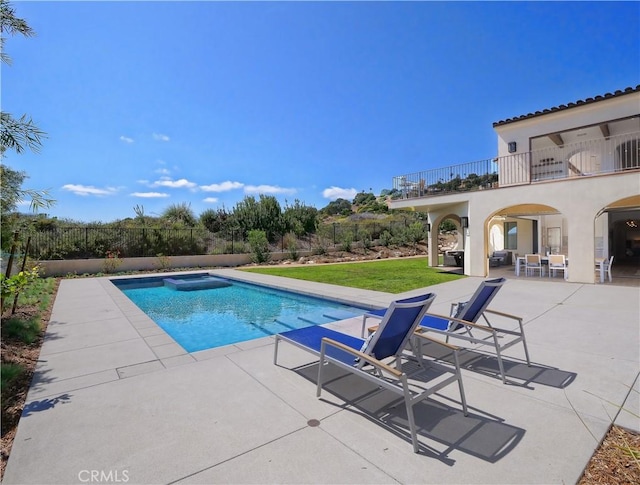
[(200, 319)]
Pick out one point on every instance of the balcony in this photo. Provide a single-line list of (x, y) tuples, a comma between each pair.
[(588, 158)]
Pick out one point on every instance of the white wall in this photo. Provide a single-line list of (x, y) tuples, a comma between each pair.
[(93, 266), (579, 201), (554, 122)]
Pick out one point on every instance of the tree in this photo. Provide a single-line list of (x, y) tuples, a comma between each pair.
[(17, 134), (363, 198), (20, 133), (264, 215), (300, 218), (215, 220), (338, 206)]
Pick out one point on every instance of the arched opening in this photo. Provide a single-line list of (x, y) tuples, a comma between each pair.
[(450, 240), (617, 233), (523, 229)]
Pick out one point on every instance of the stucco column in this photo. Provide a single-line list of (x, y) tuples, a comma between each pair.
[(432, 249), (475, 254), (581, 236)]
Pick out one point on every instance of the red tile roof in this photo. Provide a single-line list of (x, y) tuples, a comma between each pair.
[(580, 102)]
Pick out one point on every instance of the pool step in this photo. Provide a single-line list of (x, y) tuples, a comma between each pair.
[(317, 318), (199, 283), (340, 314), (272, 327), (288, 323), (314, 319)]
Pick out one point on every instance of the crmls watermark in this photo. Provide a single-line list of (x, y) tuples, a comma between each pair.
[(103, 476)]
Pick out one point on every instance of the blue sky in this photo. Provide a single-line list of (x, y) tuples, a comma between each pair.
[(160, 103)]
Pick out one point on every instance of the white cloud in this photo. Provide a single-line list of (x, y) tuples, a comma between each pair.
[(174, 184), (85, 190), (163, 171), (126, 139), (150, 195), (223, 187), (160, 137), (333, 193), (210, 200), (268, 189)]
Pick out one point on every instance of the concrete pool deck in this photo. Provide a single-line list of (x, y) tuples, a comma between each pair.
[(115, 400)]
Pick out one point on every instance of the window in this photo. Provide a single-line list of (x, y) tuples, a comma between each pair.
[(511, 235)]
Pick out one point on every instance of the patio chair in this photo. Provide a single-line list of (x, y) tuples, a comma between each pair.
[(533, 263), (370, 358), (557, 262), (606, 268), (461, 324)]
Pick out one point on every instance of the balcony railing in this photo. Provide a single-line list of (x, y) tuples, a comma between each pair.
[(587, 158)]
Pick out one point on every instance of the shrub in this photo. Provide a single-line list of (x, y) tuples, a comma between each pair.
[(164, 262), (386, 239), (8, 374), (259, 246), (415, 233), (16, 284), (111, 261), (290, 243), (320, 246), (26, 331), (346, 242), (367, 241)]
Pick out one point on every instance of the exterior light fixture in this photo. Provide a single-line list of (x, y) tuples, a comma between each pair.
[(513, 147), (464, 221), (428, 227)]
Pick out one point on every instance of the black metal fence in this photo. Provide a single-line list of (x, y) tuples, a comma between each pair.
[(78, 242)]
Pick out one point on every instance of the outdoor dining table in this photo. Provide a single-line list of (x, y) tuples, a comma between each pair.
[(543, 260)]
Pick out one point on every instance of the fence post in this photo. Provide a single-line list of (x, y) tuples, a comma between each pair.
[(86, 241), (233, 238), (334, 233)]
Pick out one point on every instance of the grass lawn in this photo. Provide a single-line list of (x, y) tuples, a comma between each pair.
[(388, 275)]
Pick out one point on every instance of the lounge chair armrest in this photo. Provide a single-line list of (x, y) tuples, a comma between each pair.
[(462, 322), (437, 341), (361, 355), (502, 314)]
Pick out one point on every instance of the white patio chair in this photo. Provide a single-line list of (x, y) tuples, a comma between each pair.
[(557, 262), (607, 264), (533, 263)]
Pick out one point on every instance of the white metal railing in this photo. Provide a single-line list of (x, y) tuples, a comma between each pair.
[(590, 157)]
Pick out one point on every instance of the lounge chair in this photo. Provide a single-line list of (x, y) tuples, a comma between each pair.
[(370, 358), (461, 323)]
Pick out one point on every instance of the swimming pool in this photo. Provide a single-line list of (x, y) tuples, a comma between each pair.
[(200, 311)]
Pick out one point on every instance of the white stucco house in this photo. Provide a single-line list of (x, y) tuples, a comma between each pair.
[(565, 180)]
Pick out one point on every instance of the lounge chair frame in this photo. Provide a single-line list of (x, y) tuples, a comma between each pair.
[(394, 379), (379, 370), (493, 335), (463, 322)]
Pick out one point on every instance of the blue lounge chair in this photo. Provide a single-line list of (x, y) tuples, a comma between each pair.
[(369, 358), (462, 323)]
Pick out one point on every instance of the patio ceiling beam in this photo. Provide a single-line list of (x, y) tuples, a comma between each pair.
[(557, 139), (604, 128)]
